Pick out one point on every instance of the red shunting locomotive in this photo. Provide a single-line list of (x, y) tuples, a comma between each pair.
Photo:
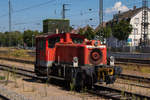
[(73, 58)]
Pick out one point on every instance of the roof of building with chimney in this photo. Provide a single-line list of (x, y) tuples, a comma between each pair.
[(122, 15), (128, 14)]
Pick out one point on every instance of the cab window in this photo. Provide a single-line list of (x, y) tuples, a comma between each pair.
[(53, 41), (77, 40)]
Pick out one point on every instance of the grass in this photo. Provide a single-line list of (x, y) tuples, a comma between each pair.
[(2, 77), (16, 53), (14, 76), (7, 77), (19, 53), (145, 70), (141, 69), (72, 85)]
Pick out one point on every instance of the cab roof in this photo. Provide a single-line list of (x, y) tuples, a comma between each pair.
[(59, 35)]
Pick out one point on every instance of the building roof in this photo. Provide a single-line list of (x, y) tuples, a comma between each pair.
[(125, 15), (128, 14)]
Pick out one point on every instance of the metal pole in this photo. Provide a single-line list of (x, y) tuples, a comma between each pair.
[(63, 12), (32, 41), (9, 2), (100, 12), (145, 23)]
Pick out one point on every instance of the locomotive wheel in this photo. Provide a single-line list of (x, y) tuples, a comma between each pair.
[(88, 82), (78, 82), (83, 81)]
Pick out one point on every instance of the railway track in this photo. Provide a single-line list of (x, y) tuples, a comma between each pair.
[(103, 91), (3, 97), (132, 61), (134, 78), (17, 60), (118, 61), (29, 73), (123, 76), (21, 71), (116, 94)]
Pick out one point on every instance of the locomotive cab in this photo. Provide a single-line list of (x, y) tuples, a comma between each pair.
[(71, 56)]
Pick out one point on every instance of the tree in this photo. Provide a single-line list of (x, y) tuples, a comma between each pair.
[(81, 31), (7, 39), (28, 36), (2, 39), (70, 28), (16, 38), (89, 33), (104, 33), (122, 30), (11, 38)]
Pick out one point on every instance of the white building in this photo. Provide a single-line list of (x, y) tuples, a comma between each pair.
[(135, 18)]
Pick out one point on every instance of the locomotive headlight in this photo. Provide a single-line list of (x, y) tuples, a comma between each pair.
[(75, 61), (112, 61), (96, 43)]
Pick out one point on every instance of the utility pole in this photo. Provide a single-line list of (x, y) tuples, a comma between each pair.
[(9, 3), (101, 12), (64, 11), (144, 24), (32, 40), (101, 20)]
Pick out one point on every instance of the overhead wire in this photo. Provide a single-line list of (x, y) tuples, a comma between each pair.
[(34, 6), (28, 8), (89, 12), (128, 4)]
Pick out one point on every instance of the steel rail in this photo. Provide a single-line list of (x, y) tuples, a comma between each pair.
[(123, 76), (118, 61), (133, 60), (17, 60), (135, 78), (23, 72), (116, 94), (2, 97), (100, 90)]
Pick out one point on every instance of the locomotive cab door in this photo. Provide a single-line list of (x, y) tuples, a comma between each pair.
[(40, 51), (51, 48)]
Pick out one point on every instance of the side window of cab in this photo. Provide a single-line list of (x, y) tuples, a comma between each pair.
[(53, 41)]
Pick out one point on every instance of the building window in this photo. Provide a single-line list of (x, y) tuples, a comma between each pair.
[(136, 21), (135, 31)]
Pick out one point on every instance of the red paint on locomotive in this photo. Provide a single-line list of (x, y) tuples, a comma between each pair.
[(65, 49)]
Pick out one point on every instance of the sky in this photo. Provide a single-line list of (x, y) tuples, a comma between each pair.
[(28, 14)]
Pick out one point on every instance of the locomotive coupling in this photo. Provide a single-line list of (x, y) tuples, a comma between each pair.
[(107, 73)]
